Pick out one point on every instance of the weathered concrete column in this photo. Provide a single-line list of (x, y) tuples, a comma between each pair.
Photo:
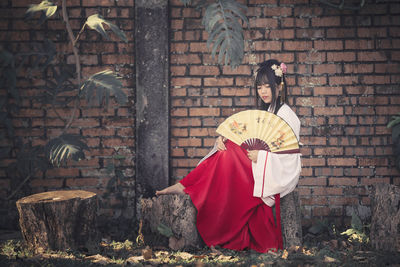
[(152, 96)]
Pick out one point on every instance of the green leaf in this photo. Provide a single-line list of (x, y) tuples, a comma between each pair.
[(120, 157), (394, 121), (164, 230), (396, 133), (110, 167), (356, 222), (349, 232), (64, 147), (47, 8), (106, 82), (96, 22), (221, 21)]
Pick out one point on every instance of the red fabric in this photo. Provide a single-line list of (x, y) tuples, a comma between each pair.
[(221, 188)]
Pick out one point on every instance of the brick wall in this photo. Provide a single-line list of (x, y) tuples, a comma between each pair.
[(107, 132), (343, 75), (343, 78)]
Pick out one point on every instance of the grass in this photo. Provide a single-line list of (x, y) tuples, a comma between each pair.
[(326, 249)]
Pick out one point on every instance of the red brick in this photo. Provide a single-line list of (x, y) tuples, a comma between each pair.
[(342, 181), (343, 80), (328, 45), (240, 70), (359, 44), (341, 56), (342, 161), (106, 3), (325, 21), (263, 23), (49, 183), (204, 111), (117, 142), (297, 45), (313, 181), (313, 161), (267, 45), (372, 181), (310, 33), (328, 91), (185, 81), (218, 81), (186, 142), (98, 132), (62, 172), (181, 122), (179, 47), (374, 79), (371, 32), (82, 182), (185, 59), (371, 56), (340, 33), (177, 132), (204, 70)]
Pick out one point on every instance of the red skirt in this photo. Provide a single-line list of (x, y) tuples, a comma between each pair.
[(221, 188)]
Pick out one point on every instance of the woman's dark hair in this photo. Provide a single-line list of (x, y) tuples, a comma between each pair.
[(266, 75)]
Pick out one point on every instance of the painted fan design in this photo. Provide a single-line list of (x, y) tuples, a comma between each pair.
[(260, 130)]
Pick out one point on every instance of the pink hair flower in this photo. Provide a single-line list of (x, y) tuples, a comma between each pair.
[(283, 67)]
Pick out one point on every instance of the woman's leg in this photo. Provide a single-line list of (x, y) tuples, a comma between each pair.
[(173, 189)]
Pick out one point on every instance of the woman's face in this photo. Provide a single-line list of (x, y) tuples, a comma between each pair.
[(265, 93)]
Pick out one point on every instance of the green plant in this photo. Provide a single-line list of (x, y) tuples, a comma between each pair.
[(357, 232), (394, 123), (64, 87)]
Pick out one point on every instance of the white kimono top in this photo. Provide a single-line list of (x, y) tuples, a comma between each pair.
[(275, 173)]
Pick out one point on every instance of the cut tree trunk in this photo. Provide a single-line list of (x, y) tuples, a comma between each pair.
[(385, 221), (291, 220), (178, 214), (60, 220)]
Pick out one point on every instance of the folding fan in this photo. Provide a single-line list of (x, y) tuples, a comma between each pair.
[(260, 130)]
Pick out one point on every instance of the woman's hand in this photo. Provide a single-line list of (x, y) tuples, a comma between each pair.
[(253, 155), (220, 142)]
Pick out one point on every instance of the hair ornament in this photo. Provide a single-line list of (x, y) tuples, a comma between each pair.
[(279, 70)]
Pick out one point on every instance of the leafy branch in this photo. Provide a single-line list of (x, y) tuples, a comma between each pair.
[(221, 21), (97, 88)]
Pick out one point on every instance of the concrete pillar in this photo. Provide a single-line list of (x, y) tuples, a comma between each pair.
[(152, 96)]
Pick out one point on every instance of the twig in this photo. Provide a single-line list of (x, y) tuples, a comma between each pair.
[(19, 187), (77, 61), (79, 34)]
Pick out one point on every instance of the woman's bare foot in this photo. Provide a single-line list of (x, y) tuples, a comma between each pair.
[(173, 189)]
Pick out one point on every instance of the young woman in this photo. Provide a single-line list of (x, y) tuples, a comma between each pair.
[(234, 190)]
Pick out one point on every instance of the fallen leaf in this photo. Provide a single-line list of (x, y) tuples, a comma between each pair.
[(147, 253), (285, 254), (176, 244), (329, 259), (134, 259)]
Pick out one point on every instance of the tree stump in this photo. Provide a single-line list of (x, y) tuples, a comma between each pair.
[(178, 213), (291, 220), (385, 220), (60, 220)]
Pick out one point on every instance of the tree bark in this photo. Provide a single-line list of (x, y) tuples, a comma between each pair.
[(291, 220), (178, 213), (60, 220), (385, 220)]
